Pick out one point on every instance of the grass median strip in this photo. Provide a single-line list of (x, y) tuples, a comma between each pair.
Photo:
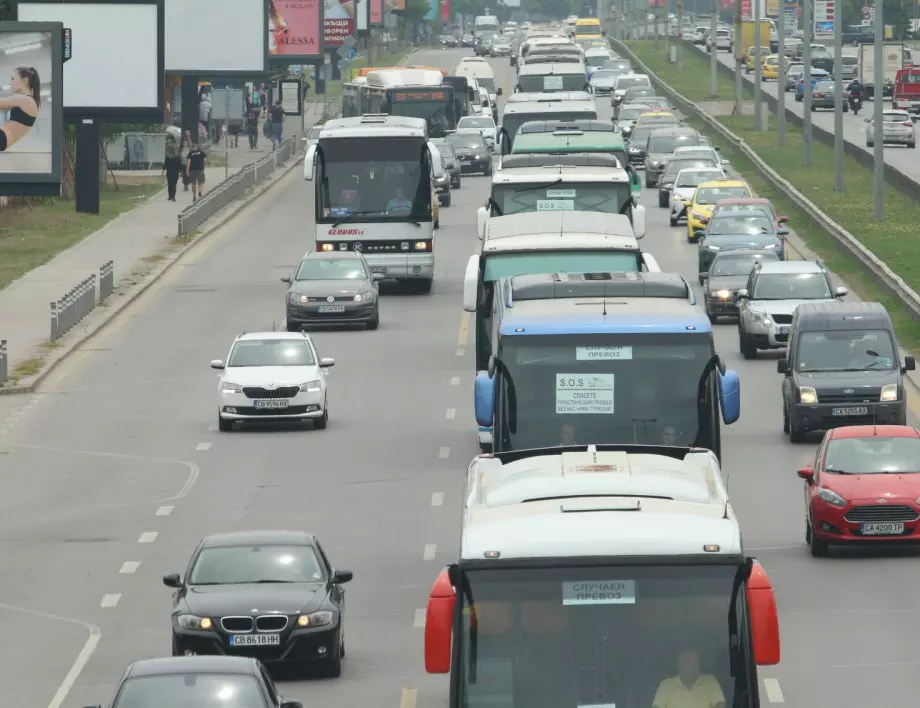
[(893, 240)]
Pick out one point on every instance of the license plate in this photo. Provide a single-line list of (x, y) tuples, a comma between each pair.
[(331, 308), (883, 529), (782, 330), (272, 403), (254, 640), (859, 410), (379, 269)]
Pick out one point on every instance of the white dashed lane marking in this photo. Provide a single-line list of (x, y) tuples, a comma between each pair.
[(454, 380), (461, 351), (203, 447), (437, 499), (129, 567), (148, 537), (451, 413), (773, 691), (430, 551), (165, 510), (444, 453), (110, 600), (419, 620)]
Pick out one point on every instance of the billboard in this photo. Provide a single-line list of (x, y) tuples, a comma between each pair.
[(824, 14), (132, 63), (445, 10), (31, 137), (363, 12), (376, 10), (338, 21), (236, 39), (395, 5), (294, 30)]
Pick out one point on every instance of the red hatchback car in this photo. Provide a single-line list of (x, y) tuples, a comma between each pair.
[(864, 486)]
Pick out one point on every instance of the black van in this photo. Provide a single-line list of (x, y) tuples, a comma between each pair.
[(842, 367)]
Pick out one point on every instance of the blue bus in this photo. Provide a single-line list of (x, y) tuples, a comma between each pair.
[(603, 358)]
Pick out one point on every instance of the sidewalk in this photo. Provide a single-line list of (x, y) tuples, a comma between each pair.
[(127, 240)]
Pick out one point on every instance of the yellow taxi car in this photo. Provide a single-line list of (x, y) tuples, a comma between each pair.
[(770, 68), (656, 118), (704, 199), (747, 58)]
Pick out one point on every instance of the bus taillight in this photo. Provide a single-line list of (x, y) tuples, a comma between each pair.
[(764, 619), (439, 619)]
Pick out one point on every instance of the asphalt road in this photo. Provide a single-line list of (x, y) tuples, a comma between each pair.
[(116, 462)]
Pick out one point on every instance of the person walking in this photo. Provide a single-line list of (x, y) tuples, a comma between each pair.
[(188, 143), (277, 117), (252, 127), (172, 168), (204, 111), (194, 169)]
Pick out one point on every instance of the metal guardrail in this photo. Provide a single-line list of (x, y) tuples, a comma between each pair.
[(67, 312), (106, 280), (4, 363), (235, 186), (874, 268)]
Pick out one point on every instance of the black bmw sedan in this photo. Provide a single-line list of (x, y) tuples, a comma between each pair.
[(269, 595)]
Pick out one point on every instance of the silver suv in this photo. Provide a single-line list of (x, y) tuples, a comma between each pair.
[(774, 290)]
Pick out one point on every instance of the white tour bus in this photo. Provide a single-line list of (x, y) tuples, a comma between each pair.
[(551, 77), (543, 107), (372, 181), (479, 69)]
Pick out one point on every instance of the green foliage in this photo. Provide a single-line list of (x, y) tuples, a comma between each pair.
[(6, 12), (551, 9)]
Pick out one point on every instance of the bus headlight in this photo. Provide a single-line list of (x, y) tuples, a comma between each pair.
[(326, 247)]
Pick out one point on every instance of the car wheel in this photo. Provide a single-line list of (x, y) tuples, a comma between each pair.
[(224, 425), (292, 327), (662, 199), (785, 419), (488, 170), (648, 183), (796, 435), (672, 220), (446, 202), (818, 547), (912, 145), (746, 344), (421, 286), (870, 143), (437, 223), (813, 108), (176, 649), (375, 323), (321, 423)]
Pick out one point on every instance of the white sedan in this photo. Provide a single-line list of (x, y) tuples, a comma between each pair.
[(479, 124), (685, 185), (272, 376), (897, 128)]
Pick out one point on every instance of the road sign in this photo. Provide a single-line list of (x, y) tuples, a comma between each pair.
[(353, 53), (296, 70)]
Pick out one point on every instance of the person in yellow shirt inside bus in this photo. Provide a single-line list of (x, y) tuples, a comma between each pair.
[(690, 688)]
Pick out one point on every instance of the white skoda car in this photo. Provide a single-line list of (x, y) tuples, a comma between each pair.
[(272, 376)]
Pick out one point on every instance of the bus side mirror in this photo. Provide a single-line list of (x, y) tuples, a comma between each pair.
[(437, 167), (635, 182), (638, 221), (730, 396), (764, 620), (482, 216), (439, 621), (484, 399), (471, 284), (309, 163)]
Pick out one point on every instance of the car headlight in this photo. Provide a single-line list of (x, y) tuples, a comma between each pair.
[(294, 297), (723, 294), (476, 157), (363, 297), (711, 248), (231, 387), (762, 318), (698, 215), (310, 387), (654, 163), (889, 392), (194, 622), (771, 245), (831, 497), (807, 394), (316, 619), (634, 151)]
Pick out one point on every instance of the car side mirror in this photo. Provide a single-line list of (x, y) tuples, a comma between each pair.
[(910, 364), (807, 473), (840, 292), (377, 276), (286, 279), (498, 92), (342, 576), (782, 232), (326, 362), (217, 364), (782, 366), (743, 294), (172, 580)]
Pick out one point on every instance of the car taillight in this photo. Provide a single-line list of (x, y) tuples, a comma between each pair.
[(907, 124), (818, 94)]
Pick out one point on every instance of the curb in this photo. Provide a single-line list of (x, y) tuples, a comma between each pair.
[(152, 277)]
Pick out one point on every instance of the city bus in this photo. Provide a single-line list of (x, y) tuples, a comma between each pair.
[(588, 28), (416, 93), (587, 574), (359, 167), (641, 335)]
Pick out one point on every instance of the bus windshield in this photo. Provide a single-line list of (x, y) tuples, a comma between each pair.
[(436, 107), (588, 28), (550, 83), (606, 197), (607, 388), (508, 265), (547, 637), (374, 179)]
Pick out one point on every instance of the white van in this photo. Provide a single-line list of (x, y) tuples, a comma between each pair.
[(481, 71)]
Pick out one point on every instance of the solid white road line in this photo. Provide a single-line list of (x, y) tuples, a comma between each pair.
[(774, 692), (76, 668), (444, 453), (212, 428), (148, 537), (110, 600), (203, 447), (437, 499), (129, 567), (454, 380), (419, 620), (461, 351), (165, 510), (451, 413), (429, 553)]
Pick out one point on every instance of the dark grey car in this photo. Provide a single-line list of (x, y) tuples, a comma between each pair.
[(728, 273), (451, 163), (334, 288), (662, 142), (824, 96)]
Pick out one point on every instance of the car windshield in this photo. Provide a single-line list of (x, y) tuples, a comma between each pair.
[(271, 352), (737, 264), (237, 565), (792, 286), (486, 82), (639, 136), (736, 224), (466, 140), (625, 82), (824, 86), (845, 350), (873, 455), (632, 113), (605, 74), (666, 144), (850, 61), (694, 178), (696, 152), (331, 269), (711, 195), (676, 165), (895, 117), (191, 691), (476, 122), (761, 209)]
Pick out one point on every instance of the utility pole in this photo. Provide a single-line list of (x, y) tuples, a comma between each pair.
[(680, 35), (655, 22), (878, 174), (758, 69), (806, 84), (227, 133), (713, 59), (739, 105), (781, 77), (839, 185)]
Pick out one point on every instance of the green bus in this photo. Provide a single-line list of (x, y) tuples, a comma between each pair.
[(547, 137)]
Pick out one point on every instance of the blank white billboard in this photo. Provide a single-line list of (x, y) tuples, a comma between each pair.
[(115, 60), (216, 36), (362, 14)]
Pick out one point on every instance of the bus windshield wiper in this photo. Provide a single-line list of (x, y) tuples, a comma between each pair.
[(539, 186)]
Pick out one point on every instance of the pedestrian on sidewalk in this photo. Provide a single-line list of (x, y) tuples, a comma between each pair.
[(194, 169), (172, 167), (204, 112), (277, 116), (252, 127)]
